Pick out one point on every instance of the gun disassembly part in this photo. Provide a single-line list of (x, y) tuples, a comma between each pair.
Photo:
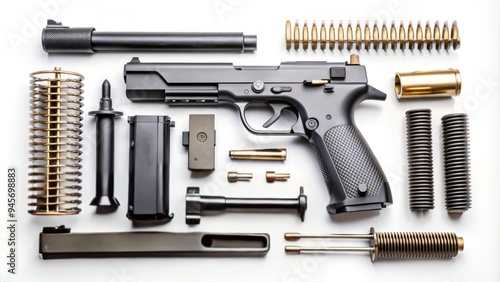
[(149, 167), (105, 150), (428, 84), (273, 154), (354, 179), (56, 121), (59, 243), (392, 37), (420, 170), (57, 38), (389, 245), (197, 205), (272, 176), (456, 152), (233, 176), (200, 140)]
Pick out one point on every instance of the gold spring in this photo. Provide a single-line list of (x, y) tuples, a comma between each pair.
[(56, 121), (392, 37), (389, 244)]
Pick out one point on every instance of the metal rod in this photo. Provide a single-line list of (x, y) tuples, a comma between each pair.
[(296, 236), (301, 250)]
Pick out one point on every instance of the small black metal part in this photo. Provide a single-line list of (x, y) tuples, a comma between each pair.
[(197, 205), (105, 150)]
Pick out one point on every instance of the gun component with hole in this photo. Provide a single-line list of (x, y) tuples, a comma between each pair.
[(60, 243)]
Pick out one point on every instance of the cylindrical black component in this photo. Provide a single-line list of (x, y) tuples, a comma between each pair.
[(173, 41), (197, 205), (456, 162), (105, 148), (57, 38), (420, 170), (149, 165), (269, 203)]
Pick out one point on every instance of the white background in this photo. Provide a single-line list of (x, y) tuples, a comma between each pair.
[(382, 123)]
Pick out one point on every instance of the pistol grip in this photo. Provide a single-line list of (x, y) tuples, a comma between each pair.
[(353, 176)]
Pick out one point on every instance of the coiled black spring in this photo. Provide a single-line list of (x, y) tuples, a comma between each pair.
[(420, 172), (456, 162)]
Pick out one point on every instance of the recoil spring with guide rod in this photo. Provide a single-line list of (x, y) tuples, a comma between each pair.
[(56, 121), (372, 38)]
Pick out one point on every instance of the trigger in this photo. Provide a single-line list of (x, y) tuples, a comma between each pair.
[(277, 108)]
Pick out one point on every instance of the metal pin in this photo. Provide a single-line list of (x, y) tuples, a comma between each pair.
[(233, 176), (272, 176), (273, 154)]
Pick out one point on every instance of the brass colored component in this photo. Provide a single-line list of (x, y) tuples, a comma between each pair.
[(420, 37), (296, 34), (305, 36), (437, 36), (411, 35), (316, 82), (56, 121), (389, 244), (272, 176), (358, 36), (354, 59), (376, 37), (385, 37), (278, 154), (233, 176), (350, 39), (455, 39), (434, 83), (322, 36), (340, 33), (288, 35), (331, 36), (428, 36), (314, 36), (431, 37), (394, 37), (402, 37), (445, 38), (367, 37)]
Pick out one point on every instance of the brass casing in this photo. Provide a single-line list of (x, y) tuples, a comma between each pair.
[(278, 154), (428, 84)]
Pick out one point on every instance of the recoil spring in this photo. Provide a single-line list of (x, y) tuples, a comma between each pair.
[(56, 121), (456, 162), (419, 147), (384, 38), (389, 244)]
